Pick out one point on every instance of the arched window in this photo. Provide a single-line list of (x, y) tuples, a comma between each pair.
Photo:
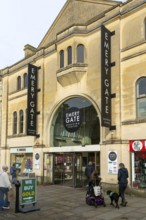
[(80, 53), (141, 97), (18, 82), (61, 58), (25, 80), (82, 129), (21, 121), (69, 54), (15, 123)]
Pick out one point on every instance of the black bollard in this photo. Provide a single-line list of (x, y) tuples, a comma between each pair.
[(17, 185)]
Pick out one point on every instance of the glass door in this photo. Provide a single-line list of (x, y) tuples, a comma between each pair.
[(68, 169), (48, 168), (63, 168), (58, 168), (79, 173)]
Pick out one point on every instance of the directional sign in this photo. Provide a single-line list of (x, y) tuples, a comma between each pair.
[(28, 191)]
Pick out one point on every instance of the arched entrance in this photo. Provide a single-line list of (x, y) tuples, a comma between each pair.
[(75, 140)]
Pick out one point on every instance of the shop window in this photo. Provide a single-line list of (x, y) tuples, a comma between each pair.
[(25, 80), (82, 128), (23, 162), (139, 170), (61, 58), (18, 82), (21, 118), (69, 53), (15, 123), (141, 97), (80, 53)]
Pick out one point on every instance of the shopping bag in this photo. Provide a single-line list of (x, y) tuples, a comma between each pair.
[(97, 190)]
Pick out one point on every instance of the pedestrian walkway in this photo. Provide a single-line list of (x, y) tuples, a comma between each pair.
[(59, 202)]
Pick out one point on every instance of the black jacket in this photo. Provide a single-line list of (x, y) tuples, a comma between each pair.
[(122, 176), (89, 169)]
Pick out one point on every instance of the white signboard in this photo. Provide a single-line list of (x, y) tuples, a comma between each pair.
[(37, 161), (112, 162)]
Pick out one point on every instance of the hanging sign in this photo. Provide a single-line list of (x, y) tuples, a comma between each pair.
[(72, 119), (105, 77), (137, 145), (32, 100)]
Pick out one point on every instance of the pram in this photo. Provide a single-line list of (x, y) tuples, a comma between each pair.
[(94, 195)]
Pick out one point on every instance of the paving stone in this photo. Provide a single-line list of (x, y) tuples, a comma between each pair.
[(58, 202)]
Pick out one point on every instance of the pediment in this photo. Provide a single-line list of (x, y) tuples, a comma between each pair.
[(74, 13)]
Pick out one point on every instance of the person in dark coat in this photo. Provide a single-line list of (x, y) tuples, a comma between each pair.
[(13, 173), (89, 170), (122, 181)]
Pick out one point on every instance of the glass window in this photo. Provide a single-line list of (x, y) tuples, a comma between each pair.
[(141, 97), (15, 123), (25, 80), (69, 53), (85, 133), (21, 118), (61, 58), (80, 53), (18, 83), (139, 170)]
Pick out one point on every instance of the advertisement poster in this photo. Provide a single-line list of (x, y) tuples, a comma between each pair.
[(37, 161), (28, 191), (112, 162)]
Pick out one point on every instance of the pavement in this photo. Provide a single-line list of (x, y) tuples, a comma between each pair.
[(58, 202)]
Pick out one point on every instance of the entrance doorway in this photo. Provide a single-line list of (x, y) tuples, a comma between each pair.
[(69, 168)]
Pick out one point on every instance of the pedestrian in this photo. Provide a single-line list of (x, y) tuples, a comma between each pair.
[(5, 186), (122, 181), (95, 178), (13, 173), (89, 170)]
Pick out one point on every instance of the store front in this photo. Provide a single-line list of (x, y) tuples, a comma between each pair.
[(68, 168), (75, 141), (23, 159), (138, 163)]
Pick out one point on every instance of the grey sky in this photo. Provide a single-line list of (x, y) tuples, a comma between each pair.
[(24, 22)]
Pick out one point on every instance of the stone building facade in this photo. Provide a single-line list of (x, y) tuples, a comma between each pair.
[(71, 128)]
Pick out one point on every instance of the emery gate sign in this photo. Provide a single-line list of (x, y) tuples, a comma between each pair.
[(72, 119), (32, 99), (105, 77)]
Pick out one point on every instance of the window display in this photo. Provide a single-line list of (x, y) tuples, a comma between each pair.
[(23, 162), (138, 159), (140, 170)]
